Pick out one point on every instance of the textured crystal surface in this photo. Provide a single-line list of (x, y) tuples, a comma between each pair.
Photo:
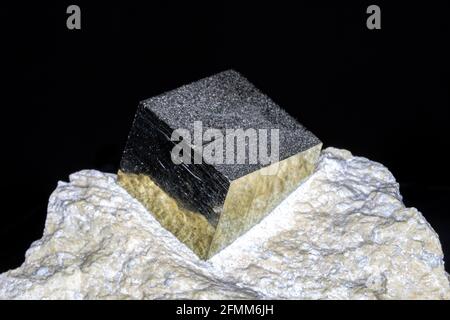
[(215, 203)]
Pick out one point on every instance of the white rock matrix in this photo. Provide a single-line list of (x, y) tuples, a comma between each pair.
[(343, 234)]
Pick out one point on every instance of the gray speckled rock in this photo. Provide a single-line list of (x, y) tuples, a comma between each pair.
[(343, 234)]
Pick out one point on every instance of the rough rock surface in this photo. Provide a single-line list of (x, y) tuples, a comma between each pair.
[(343, 234)]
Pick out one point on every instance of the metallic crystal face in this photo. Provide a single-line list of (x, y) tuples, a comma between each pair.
[(248, 200), (208, 205), (191, 228), (252, 197)]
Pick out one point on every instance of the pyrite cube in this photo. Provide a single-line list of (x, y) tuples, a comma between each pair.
[(208, 204)]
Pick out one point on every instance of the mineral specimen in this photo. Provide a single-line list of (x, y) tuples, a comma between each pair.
[(343, 234), (207, 200)]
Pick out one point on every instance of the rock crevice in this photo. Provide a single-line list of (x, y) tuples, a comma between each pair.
[(343, 234)]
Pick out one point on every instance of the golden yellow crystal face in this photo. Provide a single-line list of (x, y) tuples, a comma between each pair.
[(189, 227), (249, 199)]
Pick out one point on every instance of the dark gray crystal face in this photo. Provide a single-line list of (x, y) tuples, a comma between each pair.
[(198, 187), (224, 101), (229, 101)]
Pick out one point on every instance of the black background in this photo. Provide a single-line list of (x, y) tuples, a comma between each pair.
[(69, 96)]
